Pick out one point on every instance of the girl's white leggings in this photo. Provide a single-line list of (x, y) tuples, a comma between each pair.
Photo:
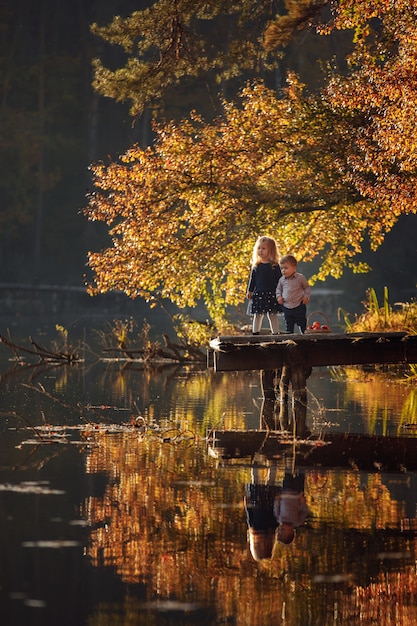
[(273, 322)]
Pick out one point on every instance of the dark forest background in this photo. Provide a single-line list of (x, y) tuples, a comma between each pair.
[(53, 126)]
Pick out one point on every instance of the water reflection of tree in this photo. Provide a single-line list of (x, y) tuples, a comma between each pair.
[(174, 521), (184, 395), (380, 399)]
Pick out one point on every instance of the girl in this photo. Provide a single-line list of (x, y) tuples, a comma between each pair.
[(263, 282), (259, 503)]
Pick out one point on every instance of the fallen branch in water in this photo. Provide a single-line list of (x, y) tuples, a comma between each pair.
[(43, 354), (122, 341), (172, 352)]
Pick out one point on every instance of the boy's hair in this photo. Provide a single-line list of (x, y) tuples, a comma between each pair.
[(290, 259), (285, 533), (273, 255)]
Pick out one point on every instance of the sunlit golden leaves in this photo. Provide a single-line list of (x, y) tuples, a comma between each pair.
[(183, 216), (299, 16), (321, 174), (382, 88)]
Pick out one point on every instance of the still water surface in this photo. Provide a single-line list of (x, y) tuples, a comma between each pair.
[(113, 512)]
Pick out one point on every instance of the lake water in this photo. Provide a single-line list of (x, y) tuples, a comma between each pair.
[(114, 512)]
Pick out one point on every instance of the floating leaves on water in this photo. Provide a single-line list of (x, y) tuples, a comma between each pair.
[(393, 556), (78, 522), (41, 487), (172, 605), (81, 434), (51, 543), (196, 483), (334, 579), (34, 603), (31, 602)]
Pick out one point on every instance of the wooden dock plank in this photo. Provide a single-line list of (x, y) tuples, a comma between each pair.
[(361, 451), (268, 352)]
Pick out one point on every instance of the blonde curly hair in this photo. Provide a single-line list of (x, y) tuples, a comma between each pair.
[(273, 254)]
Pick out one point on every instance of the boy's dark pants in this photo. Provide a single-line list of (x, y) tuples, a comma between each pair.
[(295, 316)]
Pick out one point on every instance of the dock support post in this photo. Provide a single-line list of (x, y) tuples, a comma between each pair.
[(283, 397), (296, 375), (268, 417), (299, 400), (268, 383)]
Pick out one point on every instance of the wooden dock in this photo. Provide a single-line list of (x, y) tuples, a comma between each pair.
[(290, 359), (270, 352), (354, 451)]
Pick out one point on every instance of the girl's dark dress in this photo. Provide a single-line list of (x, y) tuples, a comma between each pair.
[(259, 506), (263, 282)]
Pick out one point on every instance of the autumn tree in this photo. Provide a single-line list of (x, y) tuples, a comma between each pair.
[(176, 41), (322, 172)]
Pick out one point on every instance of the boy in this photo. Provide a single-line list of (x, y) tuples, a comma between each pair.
[(290, 507), (293, 293)]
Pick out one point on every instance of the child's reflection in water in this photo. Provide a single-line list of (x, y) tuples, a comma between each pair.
[(290, 507), (273, 511)]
